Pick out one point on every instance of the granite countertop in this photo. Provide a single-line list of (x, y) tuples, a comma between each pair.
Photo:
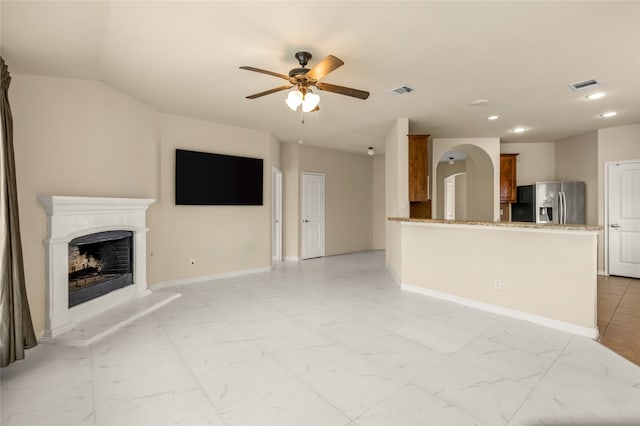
[(505, 224)]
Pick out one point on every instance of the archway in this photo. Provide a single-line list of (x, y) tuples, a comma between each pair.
[(478, 166)]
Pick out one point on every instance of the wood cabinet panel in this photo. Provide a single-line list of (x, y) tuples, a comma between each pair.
[(418, 168), (420, 209), (508, 192), (505, 212)]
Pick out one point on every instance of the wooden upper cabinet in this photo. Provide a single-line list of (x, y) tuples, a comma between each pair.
[(418, 168), (508, 192)]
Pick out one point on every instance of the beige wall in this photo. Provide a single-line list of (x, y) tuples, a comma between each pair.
[(583, 157), (483, 174), (481, 181), (219, 238), (80, 138), (614, 144), (535, 162), (349, 200), (75, 137), (396, 179), (576, 160), (348, 196), (431, 256), (290, 211), (396, 168), (275, 152), (379, 217)]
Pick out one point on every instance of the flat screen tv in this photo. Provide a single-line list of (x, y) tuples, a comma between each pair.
[(209, 179)]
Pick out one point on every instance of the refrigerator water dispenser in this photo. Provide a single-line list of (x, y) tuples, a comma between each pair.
[(545, 214)]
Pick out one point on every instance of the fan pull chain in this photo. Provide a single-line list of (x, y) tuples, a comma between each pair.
[(301, 116)]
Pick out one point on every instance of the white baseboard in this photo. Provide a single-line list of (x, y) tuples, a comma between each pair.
[(192, 280), (393, 274), (602, 272), (501, 310), (291, 259)]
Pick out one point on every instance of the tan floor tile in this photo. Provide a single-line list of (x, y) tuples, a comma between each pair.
[(619, 315)]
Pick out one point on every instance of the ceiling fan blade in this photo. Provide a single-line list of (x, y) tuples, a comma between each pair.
[(324, 67), (268, 92), (275, 74), (355, 93)]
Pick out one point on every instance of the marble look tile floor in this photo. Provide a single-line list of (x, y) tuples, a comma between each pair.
[(330, 341)]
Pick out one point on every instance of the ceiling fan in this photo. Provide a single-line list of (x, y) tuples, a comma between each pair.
[(304, 78)]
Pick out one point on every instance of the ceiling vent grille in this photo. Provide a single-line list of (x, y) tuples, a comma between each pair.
[(587, 84), (401, 90)]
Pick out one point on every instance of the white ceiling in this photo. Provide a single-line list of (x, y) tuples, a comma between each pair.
[(182, 58)]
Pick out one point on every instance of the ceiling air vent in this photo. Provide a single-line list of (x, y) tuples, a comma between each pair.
[(401, 90), (587, 84)]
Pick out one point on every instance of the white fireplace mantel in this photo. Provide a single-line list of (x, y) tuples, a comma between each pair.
[(71, 217)]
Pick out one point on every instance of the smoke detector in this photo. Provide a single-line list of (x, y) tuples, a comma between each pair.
[(402, 90), (587, 84)]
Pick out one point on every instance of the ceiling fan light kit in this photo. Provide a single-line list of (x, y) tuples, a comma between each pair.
[(303, 78), (308, 100)]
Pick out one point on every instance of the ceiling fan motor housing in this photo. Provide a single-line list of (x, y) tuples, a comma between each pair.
[(303, 58), (298, 71)]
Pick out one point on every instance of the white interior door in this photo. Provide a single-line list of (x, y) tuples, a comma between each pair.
[(276, 215), (450, 198), (312, 215), (623, 208)]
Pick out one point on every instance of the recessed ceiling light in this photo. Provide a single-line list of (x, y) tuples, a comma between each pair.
[(519, 129), (493, 117), (300, 141), (596, 95), (608, 114), (480, 102)]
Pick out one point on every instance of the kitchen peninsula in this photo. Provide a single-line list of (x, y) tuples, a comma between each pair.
[(546, 274)]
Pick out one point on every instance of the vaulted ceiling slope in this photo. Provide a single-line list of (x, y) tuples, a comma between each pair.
[(182, 58)]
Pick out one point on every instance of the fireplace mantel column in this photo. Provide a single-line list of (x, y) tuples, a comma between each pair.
[(140, 270), (57, 320)]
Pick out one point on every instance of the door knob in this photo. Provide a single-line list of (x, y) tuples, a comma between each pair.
[(306, 221), (615, 225)]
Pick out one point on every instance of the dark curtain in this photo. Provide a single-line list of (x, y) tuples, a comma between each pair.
[(16, 329)]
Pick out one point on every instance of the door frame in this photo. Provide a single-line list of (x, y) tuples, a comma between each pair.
[(453, 177), (302, 211), (449, 196), (276, 215), (605, 246)]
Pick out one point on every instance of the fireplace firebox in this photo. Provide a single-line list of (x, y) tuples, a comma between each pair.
[(98, 264)]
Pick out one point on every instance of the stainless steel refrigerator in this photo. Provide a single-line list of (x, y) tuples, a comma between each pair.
[(550, 202)]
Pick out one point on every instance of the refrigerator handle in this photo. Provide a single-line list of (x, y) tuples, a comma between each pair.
[(563, 198), (560, 212)]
